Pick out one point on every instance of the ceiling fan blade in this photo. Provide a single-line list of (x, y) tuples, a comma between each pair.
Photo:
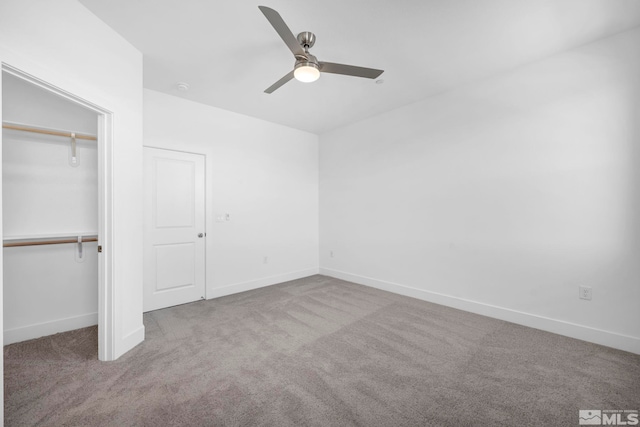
[(349, 70), (279, 83), (281, 28)]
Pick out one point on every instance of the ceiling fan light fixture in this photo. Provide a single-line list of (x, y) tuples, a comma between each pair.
[(307, 67), (306, 72)]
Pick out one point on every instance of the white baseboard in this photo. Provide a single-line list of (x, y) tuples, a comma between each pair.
[(585, 333), (259, 283), (49, 328)]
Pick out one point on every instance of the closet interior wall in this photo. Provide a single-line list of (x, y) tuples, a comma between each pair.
[(47, 288)]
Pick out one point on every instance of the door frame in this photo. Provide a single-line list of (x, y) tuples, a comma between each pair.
[(206, 199), (106, 294)]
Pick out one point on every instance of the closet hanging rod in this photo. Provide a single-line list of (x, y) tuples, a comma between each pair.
[(21, 127), (38, 242)]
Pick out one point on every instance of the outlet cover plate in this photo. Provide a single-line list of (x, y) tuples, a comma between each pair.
[(584, 292)]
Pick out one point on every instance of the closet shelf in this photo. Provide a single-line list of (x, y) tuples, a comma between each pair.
[(48, 239)]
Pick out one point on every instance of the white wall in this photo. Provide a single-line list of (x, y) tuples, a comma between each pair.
[(47, 289), (501, 197), (264, 175), (1, 287), (29, 104), (64, 44)]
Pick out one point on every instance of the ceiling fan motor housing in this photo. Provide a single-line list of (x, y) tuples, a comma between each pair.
[(306, 64)]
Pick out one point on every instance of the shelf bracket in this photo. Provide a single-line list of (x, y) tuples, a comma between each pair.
[(74, 157), (80, 247)]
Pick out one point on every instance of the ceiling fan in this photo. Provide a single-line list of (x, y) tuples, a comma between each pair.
[(307, 68)]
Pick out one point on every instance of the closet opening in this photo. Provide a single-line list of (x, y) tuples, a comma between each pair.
[(55, 213)]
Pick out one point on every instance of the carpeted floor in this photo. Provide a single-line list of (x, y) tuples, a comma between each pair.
[(318, 352)]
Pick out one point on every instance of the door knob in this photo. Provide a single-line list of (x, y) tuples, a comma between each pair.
[(200, 235)]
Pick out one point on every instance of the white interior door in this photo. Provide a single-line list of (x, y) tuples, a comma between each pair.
[(174, 234)]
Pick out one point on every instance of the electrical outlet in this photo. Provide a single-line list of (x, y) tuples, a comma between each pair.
[(584, 292)]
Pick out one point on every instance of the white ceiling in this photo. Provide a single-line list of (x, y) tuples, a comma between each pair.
[(228, 52)]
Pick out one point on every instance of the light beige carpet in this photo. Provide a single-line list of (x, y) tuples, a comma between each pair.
[(318, 352)]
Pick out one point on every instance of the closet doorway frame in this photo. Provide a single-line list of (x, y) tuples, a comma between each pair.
[(106, 295)]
